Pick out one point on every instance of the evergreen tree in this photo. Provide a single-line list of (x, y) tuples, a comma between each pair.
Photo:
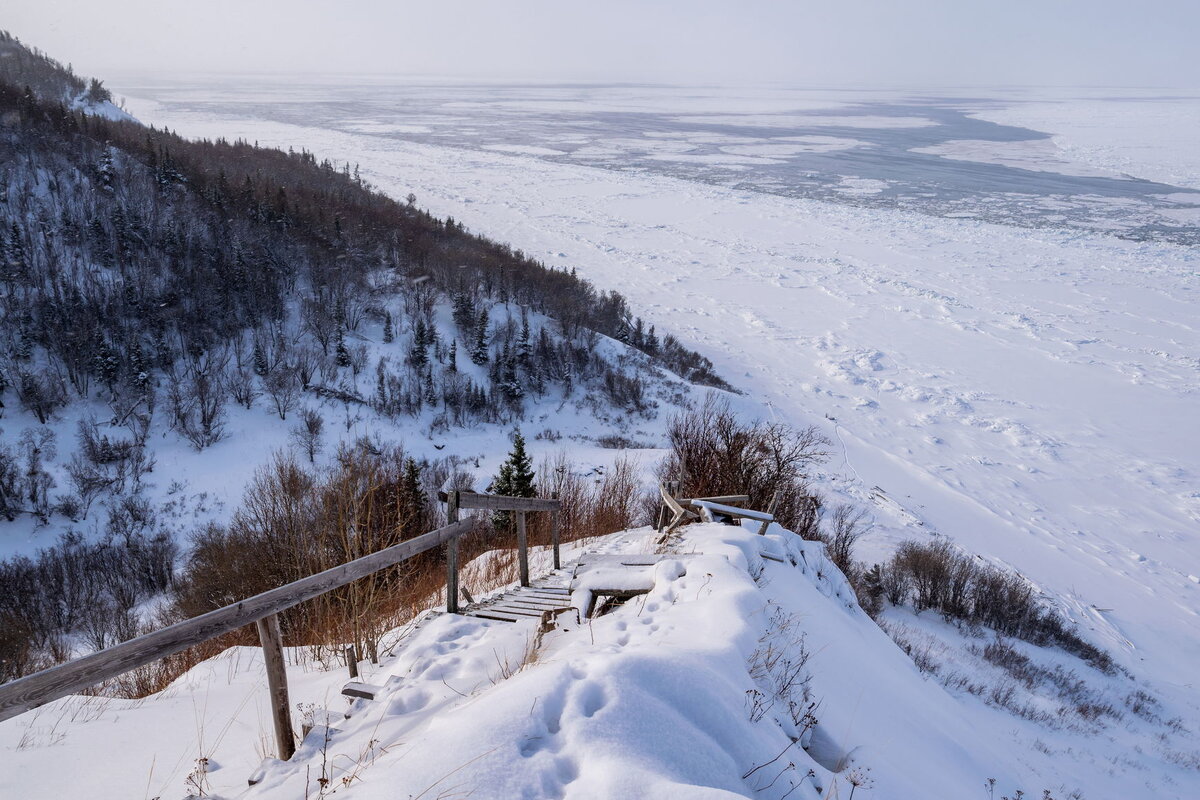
[(524, 346), (388, 333), (412, 501), (452, 364), (343, 354), (509, 382), (479, 353), (417, 355), (515, 478), (431, 396), (260, 360), (464, 312)]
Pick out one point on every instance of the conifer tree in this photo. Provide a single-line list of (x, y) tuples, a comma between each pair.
[(524, 347), (388, 333), (515, 478), (479, 353), (417, 355), (260, 360), (343, 354), (412, 500)]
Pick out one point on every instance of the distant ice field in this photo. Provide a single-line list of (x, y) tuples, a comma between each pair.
[(957, 156), (1029, 389)]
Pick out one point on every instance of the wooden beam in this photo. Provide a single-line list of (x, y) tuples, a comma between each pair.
[(452, 556), (731, 511), (281, 710), (34, 690), (496, 502), (554, 532), (522, 548), (727, 499), (361, 691)]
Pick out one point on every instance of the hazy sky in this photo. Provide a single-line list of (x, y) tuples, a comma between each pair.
[(804, 42)]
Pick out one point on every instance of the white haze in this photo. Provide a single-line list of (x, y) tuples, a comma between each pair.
[(918, 42)]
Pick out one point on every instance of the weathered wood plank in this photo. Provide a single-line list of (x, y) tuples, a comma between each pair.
[(39, 688), (496, 616), (731, 511), (496, 502), (281, 709), (531, 606), (555, 533), (363, 691), (726, 499), (522, 548), (508, 608), (452, 556)]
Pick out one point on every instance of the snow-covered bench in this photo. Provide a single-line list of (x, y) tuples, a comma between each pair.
[(709, 509)]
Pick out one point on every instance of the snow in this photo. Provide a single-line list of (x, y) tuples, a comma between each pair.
[(1129, 132), (1028, 393), (1040, 155), (673, 694)]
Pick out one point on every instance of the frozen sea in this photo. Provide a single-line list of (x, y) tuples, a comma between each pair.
[(939, 154), (987, 301)]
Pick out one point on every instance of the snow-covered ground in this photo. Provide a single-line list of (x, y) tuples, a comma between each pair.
[(1030, 394), (738, 675)]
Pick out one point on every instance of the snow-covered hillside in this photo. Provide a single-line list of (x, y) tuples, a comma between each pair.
[(748, 670), (1028, 393)]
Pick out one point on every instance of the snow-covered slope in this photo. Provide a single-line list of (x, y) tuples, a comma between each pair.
[(1029, 393), (736, 676)]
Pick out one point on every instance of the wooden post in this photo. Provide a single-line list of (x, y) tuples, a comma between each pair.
[(352, 661), (272, 645), (554, 531), (522, 549), (452, 556)]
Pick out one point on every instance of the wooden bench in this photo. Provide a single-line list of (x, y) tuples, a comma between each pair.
[(710, 507)]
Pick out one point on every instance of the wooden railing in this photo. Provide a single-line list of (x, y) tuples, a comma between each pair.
[(31, 691)]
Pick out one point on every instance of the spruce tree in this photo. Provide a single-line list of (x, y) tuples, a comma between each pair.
[(417, 355), (388, 334), (524, 346), (413, 503), (479, 353), (515, 478)]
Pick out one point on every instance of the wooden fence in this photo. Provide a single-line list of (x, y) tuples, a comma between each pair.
[(31, 691)]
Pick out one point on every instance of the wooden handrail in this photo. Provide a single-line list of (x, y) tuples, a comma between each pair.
[(499, 502), (31, 691)]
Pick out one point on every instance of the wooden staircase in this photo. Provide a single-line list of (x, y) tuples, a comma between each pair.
[(548, 593)]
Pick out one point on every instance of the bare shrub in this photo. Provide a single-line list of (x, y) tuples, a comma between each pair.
[(933, 575), (605, 504), (846, 525), (294, 522), (307, 433), (78, 588), (714, 453)]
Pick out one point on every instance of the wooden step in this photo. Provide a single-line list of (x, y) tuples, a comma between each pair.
[(364, 691), (488, 614), (530, 607)]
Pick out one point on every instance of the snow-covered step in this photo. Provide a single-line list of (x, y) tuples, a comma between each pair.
[(362, 691)]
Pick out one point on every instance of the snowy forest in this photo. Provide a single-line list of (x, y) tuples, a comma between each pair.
[(158, 283)]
